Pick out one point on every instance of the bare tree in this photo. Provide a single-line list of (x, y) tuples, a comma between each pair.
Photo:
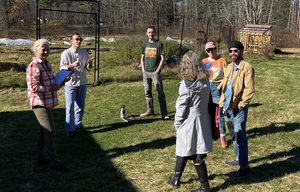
[(270, 13)]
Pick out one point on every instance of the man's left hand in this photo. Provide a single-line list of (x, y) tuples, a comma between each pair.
[(90, 63)]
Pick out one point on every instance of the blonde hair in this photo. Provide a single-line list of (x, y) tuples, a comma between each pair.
[(38, 44), (192, 68)]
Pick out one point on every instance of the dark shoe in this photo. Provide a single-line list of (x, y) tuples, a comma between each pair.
[(202, 189), (147, 114), (60, 168), (70, 134), (77, 130), (43, 162), (175, 182), (233, 163), (242, 172)]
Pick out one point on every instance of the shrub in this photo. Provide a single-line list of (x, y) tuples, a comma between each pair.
[(172, 48), (129, 49)]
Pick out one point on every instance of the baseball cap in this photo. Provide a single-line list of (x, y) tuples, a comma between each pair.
[(210, 45)]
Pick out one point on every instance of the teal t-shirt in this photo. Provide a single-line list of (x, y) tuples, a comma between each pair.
[(152, 53)]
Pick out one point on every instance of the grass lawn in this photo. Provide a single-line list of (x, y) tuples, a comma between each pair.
[(112, 155)]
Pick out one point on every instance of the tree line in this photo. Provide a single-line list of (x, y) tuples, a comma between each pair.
[(129, 15)]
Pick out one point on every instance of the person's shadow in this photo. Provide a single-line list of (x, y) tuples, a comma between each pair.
[(287, 162), (266, 171)]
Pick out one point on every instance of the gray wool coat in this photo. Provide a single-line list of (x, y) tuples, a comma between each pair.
[(192, 121)]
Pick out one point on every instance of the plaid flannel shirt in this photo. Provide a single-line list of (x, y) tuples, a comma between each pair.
[(40, 78)]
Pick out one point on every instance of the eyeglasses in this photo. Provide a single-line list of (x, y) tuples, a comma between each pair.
[(78, 39), (209, 50), (236, 50)]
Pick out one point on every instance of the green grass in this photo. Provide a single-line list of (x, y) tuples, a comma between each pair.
[(139, 156)]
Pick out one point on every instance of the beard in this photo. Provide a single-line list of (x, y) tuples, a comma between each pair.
[(235, 59)]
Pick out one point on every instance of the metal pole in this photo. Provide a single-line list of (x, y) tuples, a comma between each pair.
[(98, 39), (158, 25), (95, 60), (181, 38), (196, 39), (37, 19)]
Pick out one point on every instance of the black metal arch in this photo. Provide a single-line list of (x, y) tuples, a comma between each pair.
[(97, 31)]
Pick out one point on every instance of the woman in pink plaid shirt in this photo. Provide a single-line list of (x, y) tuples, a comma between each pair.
[(43, 98)]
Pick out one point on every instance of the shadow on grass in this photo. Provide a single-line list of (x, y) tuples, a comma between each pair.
[(266, 171), (92, 169), (273, 128), (156, 144), (255, 104), (115, 126)]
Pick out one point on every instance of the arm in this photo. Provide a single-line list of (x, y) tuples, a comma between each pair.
[(220, 85), (90, 64), (181, 106), (224, 67), (34, 80), (162, 59), (143, 63), (249, 88), (65, 63)]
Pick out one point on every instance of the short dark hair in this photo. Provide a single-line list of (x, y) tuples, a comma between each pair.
[(151, 27), (75, 33)]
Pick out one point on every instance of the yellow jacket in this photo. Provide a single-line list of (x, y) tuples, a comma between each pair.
[(242, 85)]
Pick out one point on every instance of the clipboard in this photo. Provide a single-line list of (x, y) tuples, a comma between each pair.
[(61, 75)]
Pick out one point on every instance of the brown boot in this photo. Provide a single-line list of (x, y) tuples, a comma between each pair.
[(224, 144)]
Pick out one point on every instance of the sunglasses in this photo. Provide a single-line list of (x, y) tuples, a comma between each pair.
[(78, 39), (209, 50), (236, 50)]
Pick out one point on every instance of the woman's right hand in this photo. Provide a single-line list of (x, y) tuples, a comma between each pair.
[(55, 87)]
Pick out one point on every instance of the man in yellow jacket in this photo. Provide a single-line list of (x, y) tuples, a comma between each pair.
[(237, 92)]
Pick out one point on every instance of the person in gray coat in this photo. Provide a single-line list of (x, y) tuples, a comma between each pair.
[(192, 123)]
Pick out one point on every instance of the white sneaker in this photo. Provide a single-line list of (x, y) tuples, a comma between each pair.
[(147, 114)]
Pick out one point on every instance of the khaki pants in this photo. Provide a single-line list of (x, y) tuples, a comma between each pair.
[(46, 135)]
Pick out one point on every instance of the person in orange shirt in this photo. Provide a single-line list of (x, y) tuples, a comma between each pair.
[(217, 66)]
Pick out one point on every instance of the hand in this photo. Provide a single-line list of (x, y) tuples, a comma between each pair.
[(55, 87), (90, 63), (68, 78), (75, 64)]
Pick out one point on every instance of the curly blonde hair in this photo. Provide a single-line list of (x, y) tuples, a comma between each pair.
[(192, 68), (38, 44)]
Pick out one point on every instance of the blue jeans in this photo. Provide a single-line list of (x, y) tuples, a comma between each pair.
[(216, 94), (75, 100), (238, 117), (148, 77)]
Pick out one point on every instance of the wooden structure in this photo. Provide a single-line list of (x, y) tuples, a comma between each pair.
[(255, 37)]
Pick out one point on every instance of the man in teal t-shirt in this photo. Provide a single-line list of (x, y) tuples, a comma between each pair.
[(151, 62)]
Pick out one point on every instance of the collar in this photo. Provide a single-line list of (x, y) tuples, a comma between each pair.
[(241, 64), (74, 50), (38, 60)]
